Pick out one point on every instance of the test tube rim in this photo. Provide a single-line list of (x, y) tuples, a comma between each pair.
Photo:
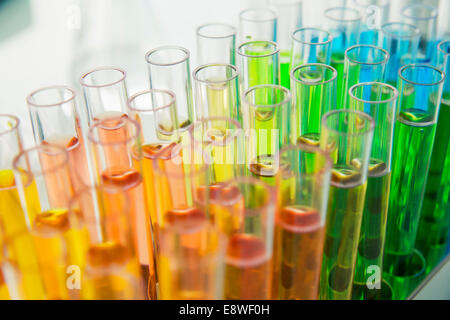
[(361, 114), (309, 149), (231, 27), (186, 57), (330, 36), (53, 168), (236, 124), (385, 60), (273, 44), (15, 125), (325, 66), (440, 44), (97, 123), (151, 91), (122, 78), (286, 100), (433, 9), (413, 34), (272, 12), (421, 65), (235, 73), (64, 101), (381, 84), (348, 9)]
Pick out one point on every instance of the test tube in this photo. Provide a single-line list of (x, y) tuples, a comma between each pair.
[(310, 45), (363, 63), (250, 243), (344, 24), (257, 24), (375, 13), (289, 13), (116, 148), (313, 95), (168, 68), (425, 18), (217, 91), (347, 136), (433, 237), (43, 180), (420, 89), (401, 40), (267, 117), (379, 100), (302, 196), (111, 270), (259, 63), (216, 43), (55, 121)]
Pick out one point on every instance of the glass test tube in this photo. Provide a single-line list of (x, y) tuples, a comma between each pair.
[(313, 95), (112, 270), (310, 45), (168, 68), (302, 196), (12, 216), (289, 13), (217, 91), (433, 234), (401, 41), (216, 43), (116, 148), (420, 89), (250, 243), (363, 63), (257, 24), (344, 25), (379, 100), (45, 170), (375, 13), (267, 117), (347, 136), (259, 63), (55, 121), (425, 18)]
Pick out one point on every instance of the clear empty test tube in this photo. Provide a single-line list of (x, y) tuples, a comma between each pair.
[(375, 13), (267, 118), (302, 189), (363, 63), (257, 24), (217, 91), (313, 95), (310, 45), (216, 43), (379, 100), (289, 13), (347, 136), (425, 18), (401, 41), (259, 63), (168, 68), (420, 96), (344, 24), (433, 234), (250, 204)]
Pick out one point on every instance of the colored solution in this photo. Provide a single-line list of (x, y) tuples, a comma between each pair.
[(337, 62), (285, 68)]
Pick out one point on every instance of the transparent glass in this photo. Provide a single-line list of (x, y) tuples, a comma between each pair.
[(401, 40), (375, 13), (310, 45), (363, 63), (433, 235), (302, 195), (347, 135), (168, 68), (420, 88), (425, 18), (313, 95), (217, 91), (257, 24), (249, 205), (216, 43), (379, 100)]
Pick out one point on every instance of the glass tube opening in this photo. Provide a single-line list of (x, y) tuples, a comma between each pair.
[(8, 123), (421, 74), (132, 129), (312, 36), (103, 77), (385, 92), (152, 100), (420, 12), (216, 31), (279, 96), (444, 47), (331, 121), (209, 128), (258, 15), (367, 54), (314, 74), (343, 14), (400, 30), (51, 96), (167, 55), (215, 73), (258, 49)]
